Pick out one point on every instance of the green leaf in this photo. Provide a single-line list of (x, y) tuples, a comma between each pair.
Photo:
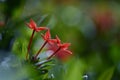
[(75, 71), (20, 47), (107, 74)]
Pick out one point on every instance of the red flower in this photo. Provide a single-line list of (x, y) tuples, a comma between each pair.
[(47, 38), (60, 50), (64, 45), (33, 26), (58, 41), (103, 19), (2, 24)]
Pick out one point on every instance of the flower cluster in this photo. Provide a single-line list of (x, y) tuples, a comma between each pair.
[(60, 50)]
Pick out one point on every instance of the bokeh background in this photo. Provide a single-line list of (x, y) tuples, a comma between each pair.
[(91, 26)]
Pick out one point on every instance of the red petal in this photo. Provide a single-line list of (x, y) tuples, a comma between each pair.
[(63, 55), (58, 40), (68, 51), (47, 35), (33, 24), (29, 25), (65, 45), (52, 41), (40, 28)]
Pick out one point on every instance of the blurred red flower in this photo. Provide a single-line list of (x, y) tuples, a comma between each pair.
[(103, 19), (47, 37), (2, 24), (32, 25), (60, 50)]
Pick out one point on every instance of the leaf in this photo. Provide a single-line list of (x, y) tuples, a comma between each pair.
[(75, 70), (107, 74), (20, 47)]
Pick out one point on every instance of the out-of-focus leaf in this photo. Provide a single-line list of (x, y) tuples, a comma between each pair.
[(114, 52), (107, 74), (20, 47), (76, 71)]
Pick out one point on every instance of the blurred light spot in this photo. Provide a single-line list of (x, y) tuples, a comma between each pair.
[(5, 63), (2, 0), (85, 77), (52, 76), (88, 28), (71, 16), (50, 52)]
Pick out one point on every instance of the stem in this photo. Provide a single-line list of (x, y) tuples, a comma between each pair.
[(40, 50), (30, 42), (53, 53)]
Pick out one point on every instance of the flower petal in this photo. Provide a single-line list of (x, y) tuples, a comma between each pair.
[(58, 40), (29, 25), (52, 41), (47, 35), (37, 29), (63, 55), (33, 24), (65, 45), (68, 51)]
